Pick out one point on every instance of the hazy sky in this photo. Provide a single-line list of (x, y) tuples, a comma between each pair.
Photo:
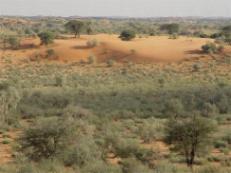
[(131, 8)]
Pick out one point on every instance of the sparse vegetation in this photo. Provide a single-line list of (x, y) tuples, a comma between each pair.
[(143, 114)]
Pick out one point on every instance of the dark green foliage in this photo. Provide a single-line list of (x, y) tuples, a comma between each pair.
[(212, 48), (127, 35), (46, 37), (75, 26)]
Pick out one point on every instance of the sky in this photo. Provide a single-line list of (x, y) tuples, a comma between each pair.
[(126, 8)]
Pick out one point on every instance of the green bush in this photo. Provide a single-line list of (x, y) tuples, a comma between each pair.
[(50, 53), (100, 167), (127, 35), (46, 139), (92, 59), (212, 48), (46, 37), (131, 165), (14, 42), (110, 62), (125, 148), (92, 43)]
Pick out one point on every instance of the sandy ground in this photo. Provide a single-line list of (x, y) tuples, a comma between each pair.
[(140, 50)]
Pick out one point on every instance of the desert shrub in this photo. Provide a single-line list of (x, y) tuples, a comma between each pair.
[(210, 169), (101, 167), (174, 107), (47, 138), (150, 131), (92, 59), (77, 112), (50, 53), (44, 102), (165, 167), (209, 110), (126, 147), (84, 151), (46, 37), (110, 62), (196, 67), (92, 43), (212, 48), (14, 42), (26, 168), (59, 81), (227, 138), (216, 35), (9, 100), (228, 40), (146, 156), (209, 48), (173, 36), (127, 35), (131, 165), (220, 144)]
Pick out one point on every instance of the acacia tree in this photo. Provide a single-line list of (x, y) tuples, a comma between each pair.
[(189, 136), (75, 26)]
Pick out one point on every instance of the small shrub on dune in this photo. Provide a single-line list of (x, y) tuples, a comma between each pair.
[(210, 48), (127, 35), (46, 37), (110, 62), (173, 36), (50, 53), (14, 42), (92, 59), (92, 43)]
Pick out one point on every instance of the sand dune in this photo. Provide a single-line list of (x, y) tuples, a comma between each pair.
[(151, 49)]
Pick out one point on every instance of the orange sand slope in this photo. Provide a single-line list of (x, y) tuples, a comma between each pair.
[(151, 49)]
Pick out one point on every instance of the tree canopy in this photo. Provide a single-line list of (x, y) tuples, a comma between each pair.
[(75, 26), (189, 135)]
